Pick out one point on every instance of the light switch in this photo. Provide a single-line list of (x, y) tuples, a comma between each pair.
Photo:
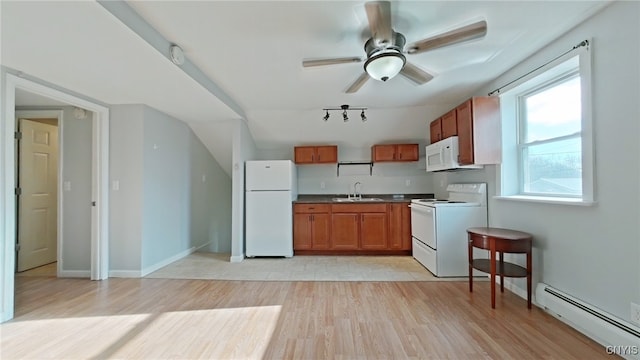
[(115, 185), (204, 178), (66, 185)]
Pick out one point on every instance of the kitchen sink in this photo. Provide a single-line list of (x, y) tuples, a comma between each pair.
[(356, 200)]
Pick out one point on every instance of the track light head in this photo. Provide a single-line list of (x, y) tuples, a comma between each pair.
[(326, 117), (363, 116), (345, 117)]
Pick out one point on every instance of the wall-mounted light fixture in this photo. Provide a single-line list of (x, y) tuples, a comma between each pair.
[(345, 115)]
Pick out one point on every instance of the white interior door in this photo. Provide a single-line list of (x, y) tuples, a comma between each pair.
[(37, 203)]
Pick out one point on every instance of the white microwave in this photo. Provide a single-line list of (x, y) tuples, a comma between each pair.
[(443, 155)]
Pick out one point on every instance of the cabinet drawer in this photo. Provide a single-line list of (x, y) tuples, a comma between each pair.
[(359, 208), (311, 208)]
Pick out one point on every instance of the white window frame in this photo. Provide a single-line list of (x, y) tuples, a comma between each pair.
[(522, 144), (509, 185)]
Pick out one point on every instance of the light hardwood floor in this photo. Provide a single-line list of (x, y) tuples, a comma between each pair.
[(189, 319)]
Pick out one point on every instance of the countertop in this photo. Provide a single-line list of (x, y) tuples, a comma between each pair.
[(328, 198)]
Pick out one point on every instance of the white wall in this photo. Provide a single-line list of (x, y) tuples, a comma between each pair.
[(126, 168), (592, 253), (166, 188), (163, 209), (244, 149), (210, 210)]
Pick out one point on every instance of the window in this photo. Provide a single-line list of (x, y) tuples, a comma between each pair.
[(549, 144), (547, 140)]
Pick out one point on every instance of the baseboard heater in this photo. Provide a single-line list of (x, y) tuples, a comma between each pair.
[(591, 321)]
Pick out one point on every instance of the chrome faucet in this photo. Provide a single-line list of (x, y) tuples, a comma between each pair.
[(356, 192)]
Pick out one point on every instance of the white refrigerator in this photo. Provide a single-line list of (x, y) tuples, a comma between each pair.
[(271, 186)]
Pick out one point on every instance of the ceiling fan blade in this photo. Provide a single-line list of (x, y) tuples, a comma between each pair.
[(415, 74), (379, 15), (358, 83), (330, 61), (465, 33)]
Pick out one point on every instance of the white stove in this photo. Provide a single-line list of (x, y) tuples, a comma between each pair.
[(438, 228), (459, 195)]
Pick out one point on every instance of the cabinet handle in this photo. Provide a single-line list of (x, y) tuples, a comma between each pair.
[(311, 208), (312, 158)]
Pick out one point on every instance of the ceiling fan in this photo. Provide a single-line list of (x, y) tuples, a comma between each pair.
[(385, 48)]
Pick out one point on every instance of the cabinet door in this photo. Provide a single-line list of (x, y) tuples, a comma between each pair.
[(465, 133), (435, 130), (373, 231), (407, 152), (449, 124), (302, 231), (384, 153), (304, 154), (321, 231), (326, 154), (344, 231), (395, 226)]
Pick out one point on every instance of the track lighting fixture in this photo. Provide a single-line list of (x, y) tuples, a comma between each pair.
[(345, 115)]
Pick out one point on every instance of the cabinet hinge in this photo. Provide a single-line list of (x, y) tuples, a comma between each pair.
[(18, 247), (18, 191), (17, 135)]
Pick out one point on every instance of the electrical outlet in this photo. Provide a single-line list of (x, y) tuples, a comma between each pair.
[(635, 313), (322, 185), (407, 182)]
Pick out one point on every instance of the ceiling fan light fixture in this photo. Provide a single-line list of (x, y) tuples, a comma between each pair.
[(385, 64)]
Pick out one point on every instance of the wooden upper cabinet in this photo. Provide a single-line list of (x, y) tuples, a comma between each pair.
[(443, 127), (435, 130), (327, 154), (448, 124), (394, 152), (479, 135), (383, 153)]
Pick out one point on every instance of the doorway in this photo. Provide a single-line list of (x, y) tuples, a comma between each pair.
[(99, 183), (37, 184)]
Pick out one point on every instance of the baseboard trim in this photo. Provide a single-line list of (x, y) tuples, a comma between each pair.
[(149, 269), (74, 273), (124, 273)]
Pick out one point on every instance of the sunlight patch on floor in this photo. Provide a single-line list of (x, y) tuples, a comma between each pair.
[(158, 336)]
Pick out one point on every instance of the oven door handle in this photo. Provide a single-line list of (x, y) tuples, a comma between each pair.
[(421, 208)]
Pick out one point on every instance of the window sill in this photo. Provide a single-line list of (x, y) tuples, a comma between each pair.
[(547, 200)]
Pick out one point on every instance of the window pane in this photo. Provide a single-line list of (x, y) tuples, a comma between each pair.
[(553, 168), (554, 112)]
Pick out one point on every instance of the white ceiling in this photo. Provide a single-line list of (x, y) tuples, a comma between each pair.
[(253, 52)]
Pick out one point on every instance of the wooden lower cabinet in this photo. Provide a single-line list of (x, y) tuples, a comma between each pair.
[(380, 228), (345, 231), (311, 227), (373, 231), (399, 226)]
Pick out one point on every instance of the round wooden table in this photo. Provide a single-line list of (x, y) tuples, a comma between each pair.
[(500, 241)]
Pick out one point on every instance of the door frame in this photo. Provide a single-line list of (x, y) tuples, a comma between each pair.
[(99, 180), (44, 114)]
